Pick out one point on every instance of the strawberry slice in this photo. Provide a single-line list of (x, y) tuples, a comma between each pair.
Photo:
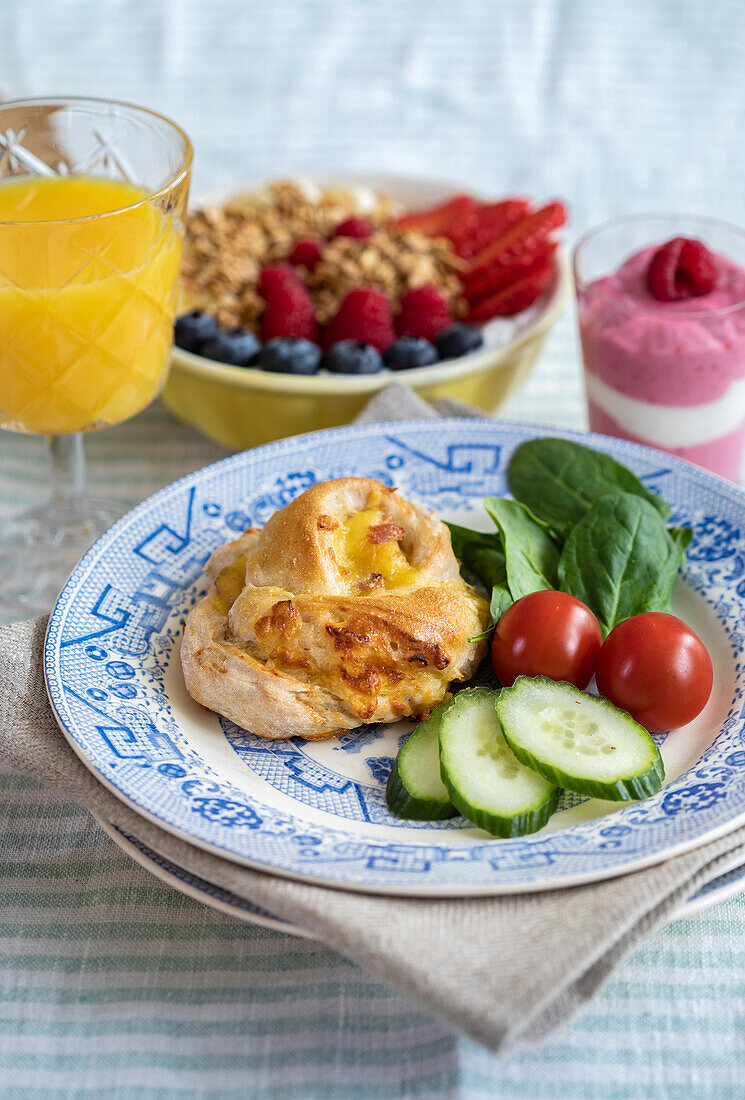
[(498, 274), (512, 299), (435, 220), (472, 233), (523, 238)]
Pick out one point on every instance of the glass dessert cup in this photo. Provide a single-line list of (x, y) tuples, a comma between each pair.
[(670, 374), (92, 202)]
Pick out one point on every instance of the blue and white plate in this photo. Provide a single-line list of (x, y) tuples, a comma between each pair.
[(316, 811)]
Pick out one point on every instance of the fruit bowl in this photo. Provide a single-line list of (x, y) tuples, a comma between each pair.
[(242, 408)]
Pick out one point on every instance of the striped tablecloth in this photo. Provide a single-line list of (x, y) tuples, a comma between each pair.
[(114, 985)]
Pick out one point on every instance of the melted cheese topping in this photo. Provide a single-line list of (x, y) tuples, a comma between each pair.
[(230, 582), (359, 557)]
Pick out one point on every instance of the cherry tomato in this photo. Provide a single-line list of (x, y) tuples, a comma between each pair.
[(657, 669), (546, 634)]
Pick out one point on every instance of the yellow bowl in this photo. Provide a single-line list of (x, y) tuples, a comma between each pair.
[(242, 408)]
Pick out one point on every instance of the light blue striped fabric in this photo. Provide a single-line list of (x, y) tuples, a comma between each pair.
[(112, 985)]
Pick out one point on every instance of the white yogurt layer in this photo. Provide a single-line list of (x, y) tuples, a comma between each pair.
[(671, 425)]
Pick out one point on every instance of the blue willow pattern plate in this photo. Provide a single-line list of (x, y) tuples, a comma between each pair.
[(316, 810)]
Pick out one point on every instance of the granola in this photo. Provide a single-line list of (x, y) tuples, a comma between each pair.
[(227, 246), (391, 262)]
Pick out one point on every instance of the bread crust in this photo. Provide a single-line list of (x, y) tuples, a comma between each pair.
[(292, 641)]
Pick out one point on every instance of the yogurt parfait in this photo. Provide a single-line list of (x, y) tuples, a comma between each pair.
[(661, 304)]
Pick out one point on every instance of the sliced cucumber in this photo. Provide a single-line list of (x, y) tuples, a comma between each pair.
[(415, 789), (580, 741), (484, 779)]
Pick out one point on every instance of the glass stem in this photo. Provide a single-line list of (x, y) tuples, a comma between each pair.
[(67, 467)]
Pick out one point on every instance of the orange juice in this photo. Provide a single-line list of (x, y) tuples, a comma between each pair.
[(88, 270)]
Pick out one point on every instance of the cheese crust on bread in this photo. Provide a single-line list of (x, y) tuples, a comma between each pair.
[(348, 607)]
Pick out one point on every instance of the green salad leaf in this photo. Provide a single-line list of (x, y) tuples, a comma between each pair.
[(500, 601), (581, 522), (486, 563), (531, 553), (681, 536), (560, 481), (620, 560), (460, 537), (483, 549), (483, 562)]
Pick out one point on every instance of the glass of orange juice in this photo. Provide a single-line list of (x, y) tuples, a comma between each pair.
[(92, 202)]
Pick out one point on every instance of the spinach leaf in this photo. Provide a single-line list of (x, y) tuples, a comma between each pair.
[(500, 601), (480, 554), (681, 536), (462, 536), (620, 560), (531, 554), (486, 563), (560, 481)]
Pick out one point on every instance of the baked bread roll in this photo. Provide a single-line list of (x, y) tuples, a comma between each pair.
[(347, 608)]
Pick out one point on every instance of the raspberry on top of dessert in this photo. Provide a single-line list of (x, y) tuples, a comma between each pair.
[(635, 341), (663, 342)]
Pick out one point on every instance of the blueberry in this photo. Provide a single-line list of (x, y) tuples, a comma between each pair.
[(192, 330), (458, 340), (237, 346), (290, 355), (410, 351), (353, 357)]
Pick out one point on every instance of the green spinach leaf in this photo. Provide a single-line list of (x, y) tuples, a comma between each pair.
[(620, 560), (486, 563), (480, 554), (681, 536), (460, 537), (560, 481), (531, 553), (500, 601)]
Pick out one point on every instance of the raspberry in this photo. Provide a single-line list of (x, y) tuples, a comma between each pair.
[(512, 299), (277, 277), (681, 268), (364, 316), (307, 253), (359, 228), (289, 307), (424, 312)]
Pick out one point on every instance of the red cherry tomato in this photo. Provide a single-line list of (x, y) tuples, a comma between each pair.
[(657, 669), (546, 634)]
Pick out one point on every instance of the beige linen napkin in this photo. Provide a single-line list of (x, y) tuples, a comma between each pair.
[(504, 971)]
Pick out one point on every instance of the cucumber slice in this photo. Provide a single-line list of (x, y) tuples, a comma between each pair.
[(484, 779), (581, 741), (415, 789)]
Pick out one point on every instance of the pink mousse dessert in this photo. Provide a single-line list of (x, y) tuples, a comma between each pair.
[(663, 342)]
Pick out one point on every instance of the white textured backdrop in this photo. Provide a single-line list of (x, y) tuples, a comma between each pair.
[(620, 106)]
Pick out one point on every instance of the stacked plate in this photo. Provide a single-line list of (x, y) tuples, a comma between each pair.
[(316, 811)]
